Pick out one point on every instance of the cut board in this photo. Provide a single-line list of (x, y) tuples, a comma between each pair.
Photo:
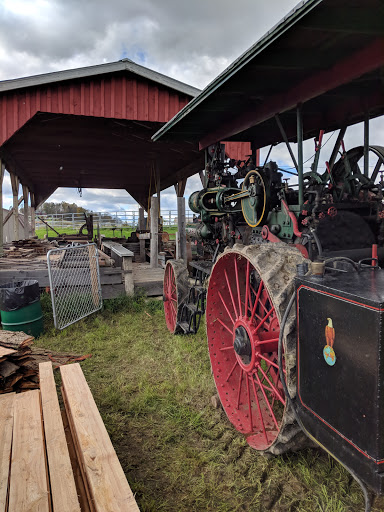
[(63, 489), (28, 490), (6, 426), (106, 482)]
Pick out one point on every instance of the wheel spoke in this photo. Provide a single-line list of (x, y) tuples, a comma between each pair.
[(272, 386), (272, 340), (246, 291), (239, 389), (267, 401), (237, 286), (227, 348), (269, 361), (376, 169), (230, 373), (259, 409), (226, 309), (257, 299), (230, 292), (249, 404), (223, 324), (265, 318)]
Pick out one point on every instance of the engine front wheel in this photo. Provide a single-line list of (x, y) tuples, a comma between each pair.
[(248, 291), (175, 291)]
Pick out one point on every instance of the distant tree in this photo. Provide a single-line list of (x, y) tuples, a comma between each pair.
[(63, 207)]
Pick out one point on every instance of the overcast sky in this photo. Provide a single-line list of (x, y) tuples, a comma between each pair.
[(190, 41)]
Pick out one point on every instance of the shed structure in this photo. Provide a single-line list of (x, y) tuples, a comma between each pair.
[(92, 127)]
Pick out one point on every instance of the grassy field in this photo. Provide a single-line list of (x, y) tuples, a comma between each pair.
[(109, 233), (178, 452)]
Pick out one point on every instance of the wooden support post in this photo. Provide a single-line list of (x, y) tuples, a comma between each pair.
[(94, 277), (154, 231), (142, 227), (181, 249), (1, 207), (15, 192), (182, 237), (26, 211), (33, 214), (127, 268)]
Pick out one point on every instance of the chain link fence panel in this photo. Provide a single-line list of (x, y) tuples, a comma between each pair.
[(74, 279)]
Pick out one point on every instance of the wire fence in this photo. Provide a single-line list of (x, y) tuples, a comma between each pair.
[(106, 220), (74, 279)]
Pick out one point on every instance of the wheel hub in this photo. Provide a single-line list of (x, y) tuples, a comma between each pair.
[(242, 343)]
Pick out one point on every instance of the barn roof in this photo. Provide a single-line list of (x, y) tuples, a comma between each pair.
[(92, 127), (326, 54), (123, 65)]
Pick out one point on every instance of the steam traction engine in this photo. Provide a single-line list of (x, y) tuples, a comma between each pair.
[(254, 233)]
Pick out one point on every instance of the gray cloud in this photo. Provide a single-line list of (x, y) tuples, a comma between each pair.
[(193, 41)]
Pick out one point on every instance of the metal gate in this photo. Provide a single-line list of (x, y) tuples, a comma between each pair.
[(74, 279)]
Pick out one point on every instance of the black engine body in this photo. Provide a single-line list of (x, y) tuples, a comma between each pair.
[(340, 373)]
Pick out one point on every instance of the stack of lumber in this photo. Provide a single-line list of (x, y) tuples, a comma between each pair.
[(38, 466), (17, 371), (28, 248)]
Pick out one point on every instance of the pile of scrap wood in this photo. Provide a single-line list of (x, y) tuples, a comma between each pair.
[(28, 248), (17, 371)]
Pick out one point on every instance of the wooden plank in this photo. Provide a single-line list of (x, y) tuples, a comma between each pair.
[(28, 490), (80, 486), (78, 452), (107, 484), (63, 489), (6, 426), (109, 276)]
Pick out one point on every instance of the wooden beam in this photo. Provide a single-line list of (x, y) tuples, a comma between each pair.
[(15, 192), (154, 245), (182, 236), (106, 482), (356, 65), (28, 488), (63, 488), (6, 422), (180, 189)]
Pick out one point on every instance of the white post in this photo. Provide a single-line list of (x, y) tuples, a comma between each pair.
[(15, 192), (33, 214), (26, 212), (1, 207), (142, 227), (154, 231)]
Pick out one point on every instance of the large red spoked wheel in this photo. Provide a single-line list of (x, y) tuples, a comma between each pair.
[(175, 290), (248, 291)]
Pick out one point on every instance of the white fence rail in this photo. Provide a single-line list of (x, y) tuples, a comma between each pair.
[(107, 220)]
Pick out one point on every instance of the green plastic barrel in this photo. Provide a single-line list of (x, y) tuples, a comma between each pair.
[(20, 307), (28, 319)]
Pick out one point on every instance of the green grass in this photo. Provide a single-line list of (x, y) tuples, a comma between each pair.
[(106, 232), (178, 452)]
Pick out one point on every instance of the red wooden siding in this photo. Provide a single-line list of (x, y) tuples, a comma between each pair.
[(238, 150), (112, 97)]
